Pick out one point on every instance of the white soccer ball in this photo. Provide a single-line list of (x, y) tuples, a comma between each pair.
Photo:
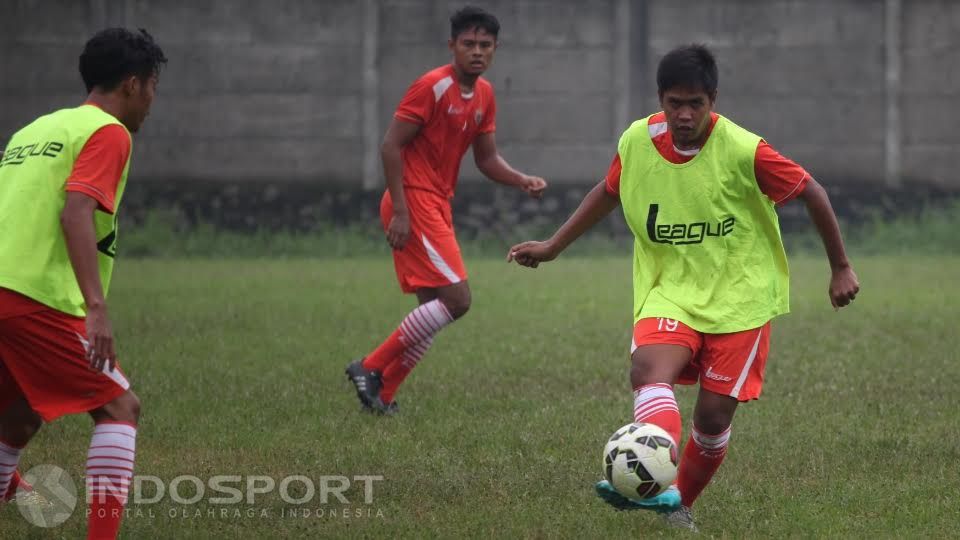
[(640, 460)]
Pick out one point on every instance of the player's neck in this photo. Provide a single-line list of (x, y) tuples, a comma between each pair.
[(691, 145), (107, 102), (465, 80)]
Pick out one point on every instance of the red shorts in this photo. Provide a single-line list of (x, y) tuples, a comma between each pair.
[(43, 358), (431, 257), (728, 364)]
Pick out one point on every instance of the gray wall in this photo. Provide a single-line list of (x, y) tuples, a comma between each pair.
[(302, 89)]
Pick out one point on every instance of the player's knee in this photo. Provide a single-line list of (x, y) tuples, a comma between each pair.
[(125, 408), (132, 407), (460, 309), (458, 306), (29, 428), (644, 372), (19, 423), (21, 432)]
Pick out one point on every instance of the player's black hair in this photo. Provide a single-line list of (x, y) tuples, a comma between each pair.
[(690, 66), (470, 17), (114, 54)]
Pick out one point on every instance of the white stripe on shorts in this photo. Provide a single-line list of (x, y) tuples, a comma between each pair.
[(746, 369), (438, 261)]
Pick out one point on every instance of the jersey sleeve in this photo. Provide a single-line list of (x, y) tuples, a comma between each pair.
[(418, 103), (613, 176), (99, 167), (779, 178)]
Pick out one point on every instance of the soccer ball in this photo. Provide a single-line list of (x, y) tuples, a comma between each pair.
[(640, 460)]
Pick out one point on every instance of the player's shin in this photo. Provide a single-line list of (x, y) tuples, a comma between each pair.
[(397, 371), (418, 326), (701, 458), (109, 473)]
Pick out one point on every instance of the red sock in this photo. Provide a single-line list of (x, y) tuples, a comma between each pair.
[(419, 325), (16, 482), (701, 459), (381, 357), (400, 368), (109, 471), (655, 404)]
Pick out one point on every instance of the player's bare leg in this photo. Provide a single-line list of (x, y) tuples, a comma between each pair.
[(426, 295), (653, 364), (653, 370), (18, 424), (457, 298), (110, 463), (124, 409)]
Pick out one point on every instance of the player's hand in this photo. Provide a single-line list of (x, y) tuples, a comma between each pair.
[(531, 254), (100, 350), (844, 287), (534, 186), (398, 231)]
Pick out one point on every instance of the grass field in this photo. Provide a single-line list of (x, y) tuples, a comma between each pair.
[(239, 365)]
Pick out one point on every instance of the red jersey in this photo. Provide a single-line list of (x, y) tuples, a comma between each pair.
[(449, 122), (779, 178)]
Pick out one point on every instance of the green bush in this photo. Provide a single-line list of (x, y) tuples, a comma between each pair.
[(162, 234)]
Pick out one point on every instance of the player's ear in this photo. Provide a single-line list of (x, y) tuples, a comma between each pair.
[(713, 98), (451, 43), (130, 86)]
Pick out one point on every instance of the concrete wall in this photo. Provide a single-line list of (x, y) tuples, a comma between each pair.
[(302, 89)]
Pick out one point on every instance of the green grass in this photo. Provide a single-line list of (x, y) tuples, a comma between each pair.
[(239, 365)]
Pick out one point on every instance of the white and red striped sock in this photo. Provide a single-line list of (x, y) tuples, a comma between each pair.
[(397, 371), (424, 322), (419, 325), (109, 473), (656, 404), (9, 458)]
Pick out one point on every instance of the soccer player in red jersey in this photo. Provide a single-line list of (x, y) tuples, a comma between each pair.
[(443, 113), (710, 271), (61, 182)]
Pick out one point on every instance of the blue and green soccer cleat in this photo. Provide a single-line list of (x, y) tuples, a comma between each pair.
[(668, 501)]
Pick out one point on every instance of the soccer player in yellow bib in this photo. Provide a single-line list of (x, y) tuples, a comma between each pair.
[(61, 181), (709, 270)]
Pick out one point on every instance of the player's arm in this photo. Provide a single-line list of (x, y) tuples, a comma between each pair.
[(594, 207), (76, 219), (92, 185), (494, 167), (399, 134), (844, 285)]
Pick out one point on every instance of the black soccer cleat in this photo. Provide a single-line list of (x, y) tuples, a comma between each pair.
[(366, 382), (388, 409)]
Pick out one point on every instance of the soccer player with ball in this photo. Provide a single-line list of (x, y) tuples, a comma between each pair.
[(709, 269)]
